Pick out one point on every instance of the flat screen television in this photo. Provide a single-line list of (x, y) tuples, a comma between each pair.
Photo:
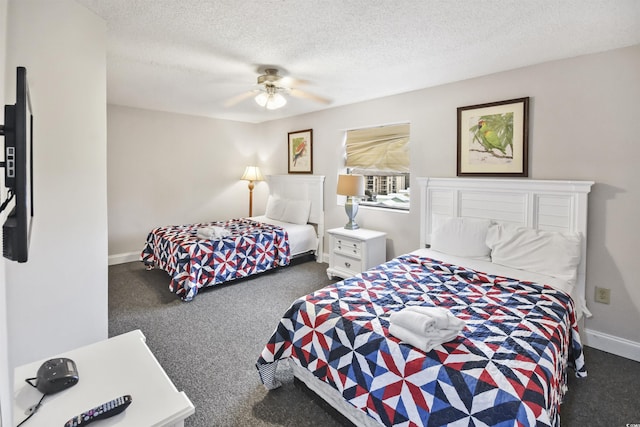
[(18, 173)]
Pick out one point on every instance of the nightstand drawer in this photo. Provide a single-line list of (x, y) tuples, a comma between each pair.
[(346, 263), (348, 247)]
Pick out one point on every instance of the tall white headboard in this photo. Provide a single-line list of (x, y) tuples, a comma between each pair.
[(539, 204), (303, 187)]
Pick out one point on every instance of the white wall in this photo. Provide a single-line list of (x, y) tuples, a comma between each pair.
[(173, 169), (582, 126), (58, 299)]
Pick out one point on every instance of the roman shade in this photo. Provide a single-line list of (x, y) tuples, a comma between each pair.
[(383, 149)]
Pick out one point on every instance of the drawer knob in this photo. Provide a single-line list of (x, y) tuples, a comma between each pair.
[(354, 251), (347, 264)]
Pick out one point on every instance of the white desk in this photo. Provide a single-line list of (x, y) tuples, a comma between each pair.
[(106, 370)]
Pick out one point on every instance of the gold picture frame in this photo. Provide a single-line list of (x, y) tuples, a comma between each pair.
[(300, 151), (493, 139)]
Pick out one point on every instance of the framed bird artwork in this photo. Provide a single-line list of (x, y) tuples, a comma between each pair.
[(300, 147), (493, 139)]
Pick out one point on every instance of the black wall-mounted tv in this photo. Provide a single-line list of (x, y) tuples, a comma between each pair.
[(18, 172)]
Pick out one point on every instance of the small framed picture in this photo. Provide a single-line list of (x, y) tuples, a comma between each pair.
[(493, 139), (300, 147)]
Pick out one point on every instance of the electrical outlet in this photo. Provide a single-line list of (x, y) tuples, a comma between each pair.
[(603, 295)]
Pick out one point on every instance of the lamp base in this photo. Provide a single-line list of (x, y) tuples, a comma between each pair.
[(351, 207), (351, 225)]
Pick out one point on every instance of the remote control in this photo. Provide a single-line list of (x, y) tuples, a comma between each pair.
[(106, 410)]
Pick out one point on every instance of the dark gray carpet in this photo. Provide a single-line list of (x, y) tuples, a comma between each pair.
[(209, 347)]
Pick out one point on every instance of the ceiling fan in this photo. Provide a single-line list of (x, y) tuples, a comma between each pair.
[(271, 89)]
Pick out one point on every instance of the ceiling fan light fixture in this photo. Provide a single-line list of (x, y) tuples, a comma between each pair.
[(270, 101)]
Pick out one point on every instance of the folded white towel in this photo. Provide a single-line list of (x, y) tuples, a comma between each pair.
[(422, 342), (424, 327), (212, 232), (443, 318)]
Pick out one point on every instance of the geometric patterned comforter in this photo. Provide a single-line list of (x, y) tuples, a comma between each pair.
[(507, 367), (193, 263)]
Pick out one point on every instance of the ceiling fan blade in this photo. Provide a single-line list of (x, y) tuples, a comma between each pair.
[(239, 98), (290, 82), (302, 94)]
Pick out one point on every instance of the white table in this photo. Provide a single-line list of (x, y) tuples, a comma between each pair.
[(106, 370)]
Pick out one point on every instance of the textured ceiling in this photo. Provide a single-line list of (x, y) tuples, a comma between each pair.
[(191, 56)]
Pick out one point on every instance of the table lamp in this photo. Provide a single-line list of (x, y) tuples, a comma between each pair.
[(351, 186)]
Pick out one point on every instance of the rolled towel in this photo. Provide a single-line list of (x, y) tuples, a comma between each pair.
[(212, 232), (442, 335), (205, 233), (428, 321), (221, 232), (413, 321), (442, 317), (422, 342)]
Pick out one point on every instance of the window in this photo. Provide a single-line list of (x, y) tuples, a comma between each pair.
[(381, 154)]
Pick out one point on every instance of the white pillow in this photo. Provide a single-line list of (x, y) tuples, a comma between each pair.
[(297, 211), (275, 208), (545, 252), (463, 237)]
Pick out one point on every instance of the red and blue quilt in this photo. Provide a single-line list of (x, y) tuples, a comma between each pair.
[(507, 367), (192, 262)]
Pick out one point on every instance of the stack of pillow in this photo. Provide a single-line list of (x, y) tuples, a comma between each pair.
[(288, 210), (550, 253)]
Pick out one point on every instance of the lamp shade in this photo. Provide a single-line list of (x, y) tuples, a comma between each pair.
[(271, 101), (252, 173), (351, 185)]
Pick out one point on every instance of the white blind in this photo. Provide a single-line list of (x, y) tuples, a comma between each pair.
[(379, 149)]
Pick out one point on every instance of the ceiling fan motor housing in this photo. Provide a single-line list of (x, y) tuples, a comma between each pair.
[(270, 76)]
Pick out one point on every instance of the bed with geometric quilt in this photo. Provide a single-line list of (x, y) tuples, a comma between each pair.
[(508, 365), (208, 254), (192, 263)]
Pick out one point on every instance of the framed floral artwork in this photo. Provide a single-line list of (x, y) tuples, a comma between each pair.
[(300, 146), (493, 139)]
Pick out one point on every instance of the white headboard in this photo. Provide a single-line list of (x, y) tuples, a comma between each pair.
[(303, 187), (539, 204)]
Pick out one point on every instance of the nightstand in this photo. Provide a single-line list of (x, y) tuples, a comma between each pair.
[(354, 251)]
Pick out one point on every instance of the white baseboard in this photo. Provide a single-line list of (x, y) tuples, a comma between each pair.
[(612, 344), (122, 258)]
